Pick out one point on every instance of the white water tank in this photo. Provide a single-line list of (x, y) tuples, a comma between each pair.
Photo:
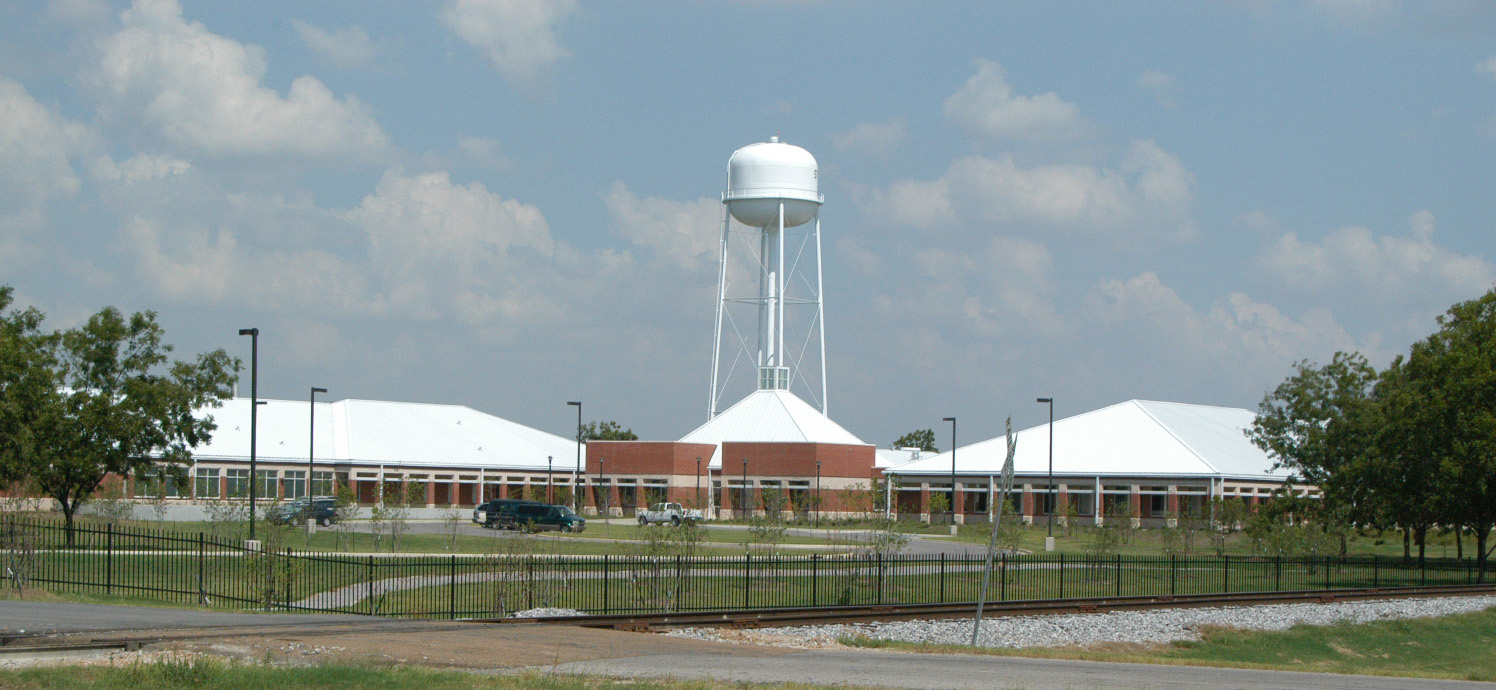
[(762, 176)]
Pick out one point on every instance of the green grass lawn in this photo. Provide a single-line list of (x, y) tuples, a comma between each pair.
[(1456, 647), (214, 673)]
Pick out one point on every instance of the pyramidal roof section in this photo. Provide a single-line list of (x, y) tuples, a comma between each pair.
[(770, 416), (1133, 438)]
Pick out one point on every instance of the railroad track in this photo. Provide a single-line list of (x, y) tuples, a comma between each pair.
[(42, 646), (762, 618)]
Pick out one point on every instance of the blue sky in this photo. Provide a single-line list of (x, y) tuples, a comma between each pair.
[(509, 205)]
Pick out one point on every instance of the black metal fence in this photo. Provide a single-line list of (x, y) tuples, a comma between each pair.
[(198, 569)]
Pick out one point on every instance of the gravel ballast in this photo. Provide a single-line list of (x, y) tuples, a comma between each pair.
[(1086, 629)]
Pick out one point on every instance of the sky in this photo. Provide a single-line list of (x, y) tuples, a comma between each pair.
[(514, 204)]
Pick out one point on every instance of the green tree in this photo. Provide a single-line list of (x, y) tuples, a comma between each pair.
[(28, 377), (1451, 376), (104, 399), (606, 431), (923, 439)]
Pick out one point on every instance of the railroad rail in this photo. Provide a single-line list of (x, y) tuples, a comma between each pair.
[(763, 618), (45, 646)]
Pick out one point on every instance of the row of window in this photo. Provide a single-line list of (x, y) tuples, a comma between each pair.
[(213, 482)]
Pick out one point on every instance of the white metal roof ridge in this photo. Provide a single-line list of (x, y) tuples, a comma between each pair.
[(1170, 431)]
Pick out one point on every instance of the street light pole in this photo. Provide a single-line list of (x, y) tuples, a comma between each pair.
[(698, 484), (743, 492), (952, 420), (311, 451), (1051, 506), (254, 409), (815, 519), (603, 491), (575, 482), (548, 498)]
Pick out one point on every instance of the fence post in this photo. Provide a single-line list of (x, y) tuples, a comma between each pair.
[(747, 577), (1277, 573), (1119, 574), (1003, 580), (1422, 572), (109, 559), (1173, 575), (1376, 573), (371, 585), (942, 577), (1226, 574), (606, 583), (202, 589), (452, 588), (1062, 576), (880, 578), (815, 560), (1327, 572)]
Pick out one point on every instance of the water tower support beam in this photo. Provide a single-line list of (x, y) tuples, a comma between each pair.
[(711, 412), (821, 318)]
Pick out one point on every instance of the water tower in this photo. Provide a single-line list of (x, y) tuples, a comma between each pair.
[(773, 188)]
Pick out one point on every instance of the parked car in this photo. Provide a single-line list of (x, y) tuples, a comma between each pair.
[(499, 512), (673, 513), (323, 509), (540, 517)]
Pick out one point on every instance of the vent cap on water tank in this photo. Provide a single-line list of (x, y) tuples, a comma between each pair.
[(761, 176)]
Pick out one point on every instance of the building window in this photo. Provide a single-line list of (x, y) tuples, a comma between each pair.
[(205, 482), (295, 483), (1085, 503), (265, 484), (322, 483), (237, 484), (1157, 504), (157, 481)]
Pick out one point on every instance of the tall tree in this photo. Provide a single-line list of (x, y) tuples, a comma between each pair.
[(923, 439), (1452, 374), (1319, 423), (607, 431), (27, 377), (117, 405)]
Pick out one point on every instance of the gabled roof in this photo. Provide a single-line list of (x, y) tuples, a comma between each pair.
[(770, 416), (375, 432), (1134, 438)]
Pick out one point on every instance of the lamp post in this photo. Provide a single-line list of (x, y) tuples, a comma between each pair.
[(311, 451), (952, 420), (602, 491), (548, 480), (575, 505), (815, 518), (743, 492), (254, 409), (698, 483), (1051, 506)]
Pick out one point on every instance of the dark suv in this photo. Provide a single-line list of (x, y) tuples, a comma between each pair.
[(323, 509), (499, 513), (539, 516)]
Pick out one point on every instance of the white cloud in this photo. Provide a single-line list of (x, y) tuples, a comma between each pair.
[(1257, 339), (1355, 259), (518, 36), (345, 47), (1489, 67), (686, 233), (986, 107), (139, 168), (34, 168), (877, 139), (1149, 193), (1162, 87), (202, 93)]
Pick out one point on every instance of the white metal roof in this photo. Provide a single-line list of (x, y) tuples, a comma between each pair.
[(1134, 438), (375, 432), (770, 416), (894, 457)]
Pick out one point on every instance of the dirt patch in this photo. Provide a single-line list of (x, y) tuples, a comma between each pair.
[(465, 646)]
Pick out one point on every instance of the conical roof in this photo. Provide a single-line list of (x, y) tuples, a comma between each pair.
[(770, 416)]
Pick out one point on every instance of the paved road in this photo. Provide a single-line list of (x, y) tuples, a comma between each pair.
[(951, 672)]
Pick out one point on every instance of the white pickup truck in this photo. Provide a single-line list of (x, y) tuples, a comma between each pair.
[(672, 513)]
